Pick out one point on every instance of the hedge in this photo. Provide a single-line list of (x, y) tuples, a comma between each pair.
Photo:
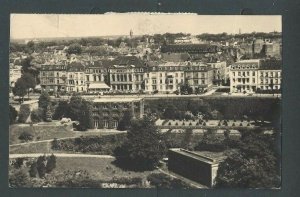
[(90, 144)]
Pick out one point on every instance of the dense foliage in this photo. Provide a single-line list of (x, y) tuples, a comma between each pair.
[(143, 148), (24, 113), (163, 181), (80, 110), (227, 108), (12, 114), (103, 145), (125, 121), (255, 165)]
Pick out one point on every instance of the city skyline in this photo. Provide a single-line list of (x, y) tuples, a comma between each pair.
[(35, 26)]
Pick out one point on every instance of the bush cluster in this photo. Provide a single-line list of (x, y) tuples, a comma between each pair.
[(95, 144), (163, 181)]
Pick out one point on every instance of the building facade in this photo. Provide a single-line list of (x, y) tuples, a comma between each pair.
[(54, 77), (97, 77), (199, 75), (126, 74), (247, 76), (164, 77), (108, 112)]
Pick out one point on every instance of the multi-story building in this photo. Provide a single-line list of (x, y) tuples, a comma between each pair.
[(107, 112), (54, 77), (75, 77), (97, 77), (269, 75), (247, 76), (199, 75), (164, 76), (126, 73), (220, 72)]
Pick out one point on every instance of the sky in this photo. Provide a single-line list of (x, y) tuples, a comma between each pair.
[(72, 25)]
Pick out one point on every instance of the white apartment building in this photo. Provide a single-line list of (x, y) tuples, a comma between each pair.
[(247, 76), (164, 77)]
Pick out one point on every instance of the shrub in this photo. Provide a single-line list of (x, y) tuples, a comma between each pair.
[(169, 124), (19, 178), (41, 165), (163, 181), (241, 124), (212, 143), (26, 136), (12, 114), (24, 113), (37, 115), (18, 163), (51, 163), (33, 170)]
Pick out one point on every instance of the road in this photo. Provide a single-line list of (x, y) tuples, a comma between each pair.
[(14, 156)]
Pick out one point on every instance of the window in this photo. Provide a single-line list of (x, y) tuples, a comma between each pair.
[(253, 80), (154, 81), (88, 78), (130, 77), (115, 124), (105, 124), (253, 73), (160, 81), (154, 87), (113, 77)]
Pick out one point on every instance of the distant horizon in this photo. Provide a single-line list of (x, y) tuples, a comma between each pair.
[(115, 36), (44, 26)]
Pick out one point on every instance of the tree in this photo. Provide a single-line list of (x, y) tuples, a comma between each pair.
[(33, 170), (48, 115), (81, 110), (254, 165), (44, 100), (170, 111), (186, 142), (20, 89), (74, 49), (125, 121), (144, 146), (41, 165), (186, 89), (12, 114), (37, 115), (51, 163), (60, 110), (24, 113), (29, 81)]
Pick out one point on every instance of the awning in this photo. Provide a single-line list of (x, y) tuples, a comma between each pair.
[(98, 86)]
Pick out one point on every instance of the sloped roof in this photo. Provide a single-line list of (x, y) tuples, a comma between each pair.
[(176, 57), (270, 65)]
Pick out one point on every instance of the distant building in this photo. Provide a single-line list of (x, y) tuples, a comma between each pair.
[(269, 75), (189, 48), (220, 72), (107, 112), (198, 75), (126, 74), (164, 77), (97, 76), (76, 77), (14, 74), (247, 76), (53, 77)]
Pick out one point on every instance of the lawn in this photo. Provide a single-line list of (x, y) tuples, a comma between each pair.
[(47, 132), (39, 132), (98, 168), (41, 147)]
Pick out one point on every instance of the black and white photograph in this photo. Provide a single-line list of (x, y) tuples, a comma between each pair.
[(145, 100)]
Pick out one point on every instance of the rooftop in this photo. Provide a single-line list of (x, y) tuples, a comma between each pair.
[(270, 65), (206, 156)]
